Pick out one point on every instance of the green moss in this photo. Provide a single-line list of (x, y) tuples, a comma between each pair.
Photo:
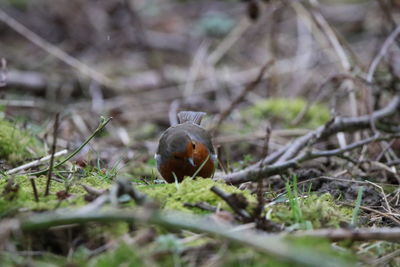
[(321, 211), (16, 145), (243, 256), (286, 110), (173, 196), (124, 255), (21, 194), (146, 170)]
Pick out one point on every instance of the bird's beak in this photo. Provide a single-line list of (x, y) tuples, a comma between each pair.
[(191, 161)]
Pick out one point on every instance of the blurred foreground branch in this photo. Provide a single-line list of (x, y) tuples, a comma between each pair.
[(273, 245)]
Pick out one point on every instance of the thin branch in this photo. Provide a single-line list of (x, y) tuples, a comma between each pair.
[(331, 36), (53, 150), (34, 189), (36, 162), (234, 201), (251, 86), (388, 42)]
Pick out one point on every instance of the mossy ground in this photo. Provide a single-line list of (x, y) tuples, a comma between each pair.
[(21, 194), (173, 196), (17, 145), (285, 112), (319, 211)]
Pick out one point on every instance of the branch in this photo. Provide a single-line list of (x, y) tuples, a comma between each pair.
[(36, 162), (273, 245), (288, 157), (251, 86), (386, 45)]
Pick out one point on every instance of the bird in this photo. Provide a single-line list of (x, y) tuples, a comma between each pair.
[(186, 149)]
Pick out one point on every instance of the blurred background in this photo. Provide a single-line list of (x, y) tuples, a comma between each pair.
[(140, 61)]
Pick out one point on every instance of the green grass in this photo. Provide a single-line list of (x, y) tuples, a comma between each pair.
[(356, 209), (311, 211)]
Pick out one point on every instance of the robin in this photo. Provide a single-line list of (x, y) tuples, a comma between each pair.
[(185, 149)]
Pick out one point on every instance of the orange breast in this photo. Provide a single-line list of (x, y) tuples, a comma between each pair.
[(200, 154), (184, 168)]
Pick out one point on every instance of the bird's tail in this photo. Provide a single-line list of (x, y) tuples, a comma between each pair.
[(191, 116)]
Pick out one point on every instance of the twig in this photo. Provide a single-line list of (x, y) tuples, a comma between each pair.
[(390, 217), (234, 201), (36, 162), (382, 261), (383, 195), (34, 189), (228, 42), (225, 113), (388, 42), (99, 128), (257, 212), (330, 35), (201, 205), (53, 150)]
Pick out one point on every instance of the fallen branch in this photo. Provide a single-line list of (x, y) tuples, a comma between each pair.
[(290, 156), (36, 162)]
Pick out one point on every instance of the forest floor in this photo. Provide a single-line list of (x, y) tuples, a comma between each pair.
[(304, 115)]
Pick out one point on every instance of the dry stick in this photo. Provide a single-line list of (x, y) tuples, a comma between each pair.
[(331, 36), (231, 201), (251, 86), (286, 155), (386, 45), (257, 212), (34, 189), (55, 51), (36, 162), (382, 261), (53, 150), (99, 128), (375, 62), (390, 217)]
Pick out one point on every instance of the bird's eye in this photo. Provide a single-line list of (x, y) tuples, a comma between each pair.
[(176, 157), (193, 145)]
